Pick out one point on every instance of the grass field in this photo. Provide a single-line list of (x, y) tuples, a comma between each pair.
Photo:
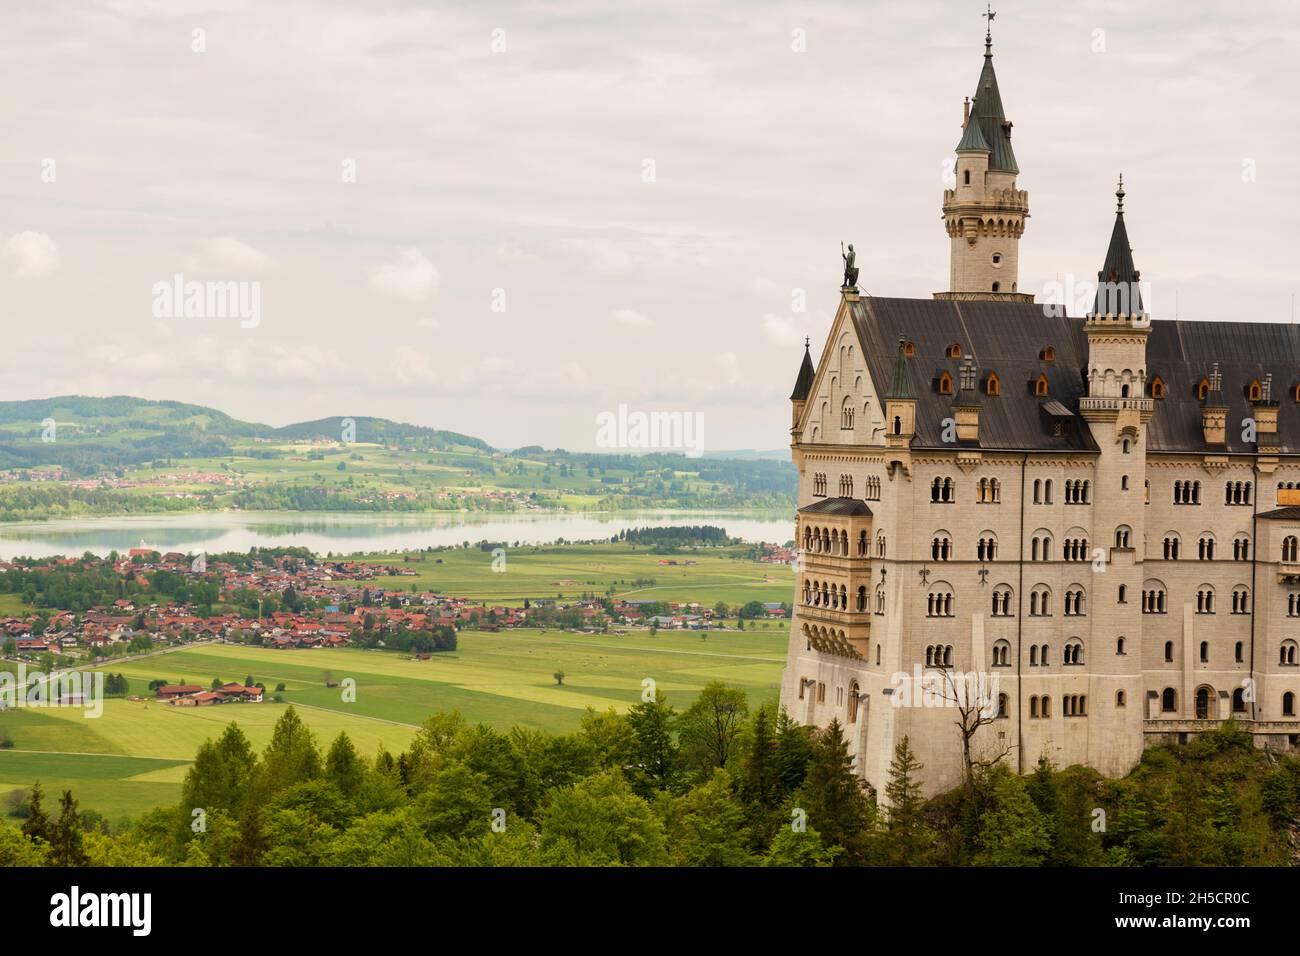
[(570, 570), (135, 756)]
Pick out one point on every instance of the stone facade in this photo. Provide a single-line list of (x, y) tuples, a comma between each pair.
[(1113, 590)]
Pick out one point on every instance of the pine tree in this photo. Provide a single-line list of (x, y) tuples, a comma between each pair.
[(291, 756), (833, 796), (66, 841), (793, 746), (37, 824), (344, 766), (909, 840)]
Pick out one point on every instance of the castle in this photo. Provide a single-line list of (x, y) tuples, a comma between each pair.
[(1098, 517)]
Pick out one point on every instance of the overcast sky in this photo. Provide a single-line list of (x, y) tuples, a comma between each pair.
[(523, 169)]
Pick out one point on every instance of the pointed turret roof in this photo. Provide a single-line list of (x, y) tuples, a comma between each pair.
[(973, 137), (986, 112), (803, 384), (900, 385), (1117, 282)]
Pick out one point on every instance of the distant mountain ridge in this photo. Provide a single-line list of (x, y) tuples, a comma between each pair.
[(119, 430)]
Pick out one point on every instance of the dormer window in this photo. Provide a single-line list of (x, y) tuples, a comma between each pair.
[(1040, 386), (1157, 387), (1202, 389), (954, 350), (1255, 391), (945, 384), (1295, 392), (993, 384), (909, 349), (1048, 354)]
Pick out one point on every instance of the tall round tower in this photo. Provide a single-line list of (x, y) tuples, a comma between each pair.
[(985, 213)]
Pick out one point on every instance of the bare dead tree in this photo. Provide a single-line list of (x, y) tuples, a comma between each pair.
[(977, 705)]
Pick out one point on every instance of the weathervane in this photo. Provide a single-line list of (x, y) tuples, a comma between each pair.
[(988, 15)]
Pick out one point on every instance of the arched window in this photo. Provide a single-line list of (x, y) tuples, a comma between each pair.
[(953, 350), (1072, 652), (846, 413), (1040, 386), (945, 383), (1205, 599), (1002, 601), (1254, 391), (853, 702), (939, 601), (1240, 599), (1287, 654), (1040, 601), (1122, 534), (1289, 548), (993, 384), (1119, 645), (1288, 704), (941, 546), (1157, 387), (1001, 653), (1003, 706), (1169, 700), (1119, 698), (1202, 389)]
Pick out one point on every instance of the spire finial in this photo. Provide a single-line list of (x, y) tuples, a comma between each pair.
[(988, 14), (807, 343), (1119, 195)]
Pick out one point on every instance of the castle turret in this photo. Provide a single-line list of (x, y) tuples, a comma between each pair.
[(900, 402), (985, 213), (802, 386)]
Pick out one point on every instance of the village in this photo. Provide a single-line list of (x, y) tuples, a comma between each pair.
[(316, 604)]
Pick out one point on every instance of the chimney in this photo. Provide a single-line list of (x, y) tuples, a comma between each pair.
[(966, 405), (1214, 413)]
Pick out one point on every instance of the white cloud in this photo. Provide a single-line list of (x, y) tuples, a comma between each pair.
[(785, 329), (730, 366), (229, 253), (36, 253), (630, 317), (428, 322), (412, 277)]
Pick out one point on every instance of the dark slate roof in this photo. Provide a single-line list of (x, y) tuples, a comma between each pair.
[(1002, 336), (1007, 337), (837, 507), (803, 384), (987, 109), (1184, 353), (1282, 514)]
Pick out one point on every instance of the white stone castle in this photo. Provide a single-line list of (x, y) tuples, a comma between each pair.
[(1099, 516)]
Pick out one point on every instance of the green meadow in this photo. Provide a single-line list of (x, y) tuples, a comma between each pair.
[(570, 570), (135, 756)]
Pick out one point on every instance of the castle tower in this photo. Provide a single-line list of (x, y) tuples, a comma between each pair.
[(1117, 410), (985, 213)]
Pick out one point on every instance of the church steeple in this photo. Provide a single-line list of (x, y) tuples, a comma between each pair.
[(985, 213)]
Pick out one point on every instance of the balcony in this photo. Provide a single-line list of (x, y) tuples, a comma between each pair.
[(1116, 404), (1288, 572)]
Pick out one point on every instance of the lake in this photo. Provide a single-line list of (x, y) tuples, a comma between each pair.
[(347, 533)]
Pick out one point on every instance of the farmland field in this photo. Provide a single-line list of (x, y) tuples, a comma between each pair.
[(713, 574), (136, 755)]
